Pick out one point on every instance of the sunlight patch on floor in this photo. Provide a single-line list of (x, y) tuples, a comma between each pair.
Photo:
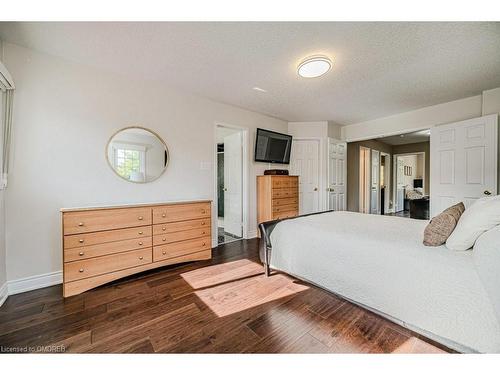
[(417, 346), (239, 285)]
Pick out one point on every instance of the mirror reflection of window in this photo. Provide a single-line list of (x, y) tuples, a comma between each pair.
[(137, 154)]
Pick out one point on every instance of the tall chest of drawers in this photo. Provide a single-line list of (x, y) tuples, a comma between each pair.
[(102, 244), (277, 197)]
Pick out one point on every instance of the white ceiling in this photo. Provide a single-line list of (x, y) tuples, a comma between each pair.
[(379, 68), (404, 139)]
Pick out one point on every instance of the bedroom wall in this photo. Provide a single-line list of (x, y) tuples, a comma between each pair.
[(353, 169), (422, 118), (64, 114)]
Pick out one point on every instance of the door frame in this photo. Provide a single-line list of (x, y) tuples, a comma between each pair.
[(322, 196), (367, 177), (394, 176), (244, 182), (387, 176)]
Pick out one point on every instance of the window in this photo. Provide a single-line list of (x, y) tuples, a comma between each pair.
[(129, 162)]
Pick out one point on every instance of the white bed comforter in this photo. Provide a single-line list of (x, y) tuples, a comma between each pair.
[(380, 262)]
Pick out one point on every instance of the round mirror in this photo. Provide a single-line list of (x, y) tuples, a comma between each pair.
[(137, 154)]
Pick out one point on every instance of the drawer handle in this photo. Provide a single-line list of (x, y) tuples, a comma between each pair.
[(163, 239), (202, 211), (140, 218), (277, 209), (140, 243), (202, 223), (81, 253), (141, 232), (163, 228), (80, 224), (164, 252), (80, 270), (81, 241), (203, 232), (163, 215), (204, 244), (141, 258)]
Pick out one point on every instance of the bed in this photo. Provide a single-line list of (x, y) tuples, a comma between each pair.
[(380, 263)]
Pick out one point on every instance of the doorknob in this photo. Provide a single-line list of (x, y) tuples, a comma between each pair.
[(487, 192), (225, 189), (331, 189), (315, 189)]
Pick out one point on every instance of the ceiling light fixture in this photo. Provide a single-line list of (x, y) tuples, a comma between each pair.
[(314, 66)]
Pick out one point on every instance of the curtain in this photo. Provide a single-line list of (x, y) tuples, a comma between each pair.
[(8, 97)]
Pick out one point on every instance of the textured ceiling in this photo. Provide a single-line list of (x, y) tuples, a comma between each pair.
[(379, 68)]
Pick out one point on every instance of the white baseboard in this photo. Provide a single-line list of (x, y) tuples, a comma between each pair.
[(35, 282), (251, 234), (3, 293)]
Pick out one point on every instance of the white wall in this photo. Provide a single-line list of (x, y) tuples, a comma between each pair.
[(488, 102), (64, 114), (422, 118)]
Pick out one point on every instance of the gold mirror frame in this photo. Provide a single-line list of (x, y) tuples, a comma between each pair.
[(142, 128)]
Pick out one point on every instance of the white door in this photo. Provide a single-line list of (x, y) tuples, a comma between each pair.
[(337, 175), (400, 184), (463, 162), (305, 164), (375, 183), (233, 184)]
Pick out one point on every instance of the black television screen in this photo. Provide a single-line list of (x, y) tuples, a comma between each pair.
[(272, 147)]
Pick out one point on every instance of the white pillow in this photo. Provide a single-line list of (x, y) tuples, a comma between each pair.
[(481, 216)]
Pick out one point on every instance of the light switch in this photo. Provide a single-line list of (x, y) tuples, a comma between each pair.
[(205, 166)]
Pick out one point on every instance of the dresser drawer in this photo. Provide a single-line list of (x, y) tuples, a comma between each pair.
[(285, 193), (280, 182), (109, 263), (181, 226), (180, 212), (284, 215), (92, 251), (99, 220), (88, 239), (177, 249), (285, 201), (165, 238), (286, 208)]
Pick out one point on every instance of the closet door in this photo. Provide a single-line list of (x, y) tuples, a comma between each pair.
[(337, 175), (305, 164), (464, 162)]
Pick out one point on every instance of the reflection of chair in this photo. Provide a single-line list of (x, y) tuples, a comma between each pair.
[(419, 208)]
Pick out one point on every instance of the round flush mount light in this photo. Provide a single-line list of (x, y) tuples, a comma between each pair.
[(314, 66)]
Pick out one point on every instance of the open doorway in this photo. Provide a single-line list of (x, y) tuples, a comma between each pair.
[(230, 183), (409, 181)]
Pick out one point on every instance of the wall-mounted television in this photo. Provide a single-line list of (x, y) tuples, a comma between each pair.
[(272, 147)]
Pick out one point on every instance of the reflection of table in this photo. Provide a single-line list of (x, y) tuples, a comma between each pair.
[(419, 208)]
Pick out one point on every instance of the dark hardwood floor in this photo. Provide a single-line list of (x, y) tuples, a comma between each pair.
[(225, 305)]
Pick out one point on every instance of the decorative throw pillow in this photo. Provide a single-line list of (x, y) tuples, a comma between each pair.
[(441, 227), (481, 216)]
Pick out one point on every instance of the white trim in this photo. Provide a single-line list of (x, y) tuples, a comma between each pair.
[(35, 282), (245, 166), (251, 234), (387, 173), (3, 293)]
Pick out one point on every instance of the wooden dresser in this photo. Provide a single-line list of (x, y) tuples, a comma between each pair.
[(102, 244), (277, 197)]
